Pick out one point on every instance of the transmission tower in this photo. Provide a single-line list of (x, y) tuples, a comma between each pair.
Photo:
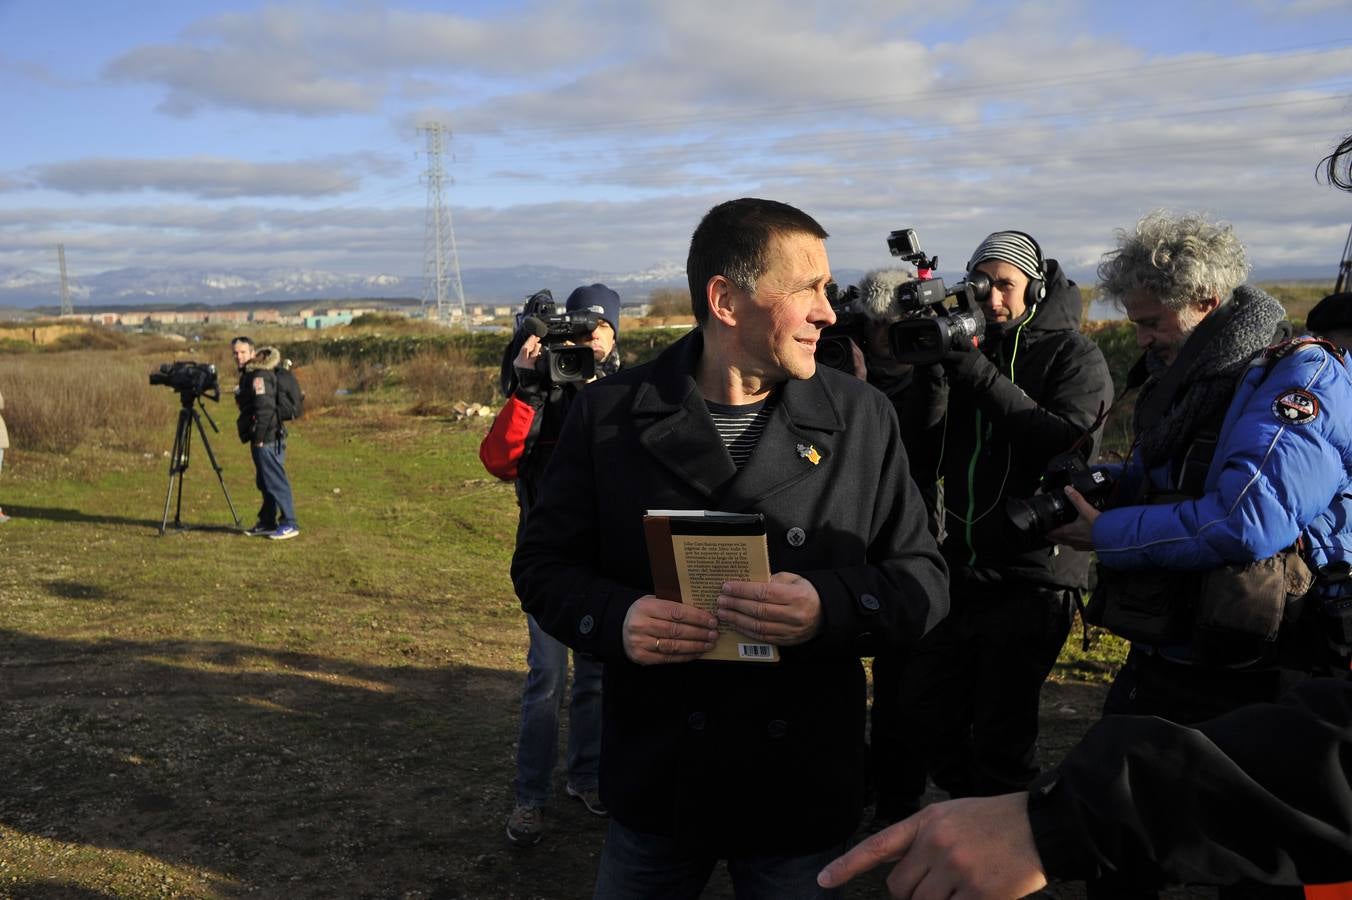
[(441, 261), (66, 308)]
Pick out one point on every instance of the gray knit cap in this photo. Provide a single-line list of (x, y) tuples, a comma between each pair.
[(1013, 247)]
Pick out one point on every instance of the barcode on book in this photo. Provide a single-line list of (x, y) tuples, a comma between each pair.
[(755, 651)]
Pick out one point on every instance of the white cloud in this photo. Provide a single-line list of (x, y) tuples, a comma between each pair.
[(205, 177)]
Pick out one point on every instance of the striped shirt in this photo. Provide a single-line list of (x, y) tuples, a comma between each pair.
[(741, 427)]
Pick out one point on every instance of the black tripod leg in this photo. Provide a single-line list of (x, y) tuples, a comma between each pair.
[(178, 462), (219, 477)]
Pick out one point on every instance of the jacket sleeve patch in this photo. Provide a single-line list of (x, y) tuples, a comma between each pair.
[(1296, 407), (260, 386)]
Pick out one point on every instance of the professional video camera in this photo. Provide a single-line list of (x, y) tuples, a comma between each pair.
[(928, 329), (1050, 507), (192, 379), (559, 362)]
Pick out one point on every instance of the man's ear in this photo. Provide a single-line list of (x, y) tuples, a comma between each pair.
[(1208, 305), (722, 296)]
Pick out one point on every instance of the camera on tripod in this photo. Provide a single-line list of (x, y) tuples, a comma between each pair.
[(192, 379), (562, 357), (1050, 507)]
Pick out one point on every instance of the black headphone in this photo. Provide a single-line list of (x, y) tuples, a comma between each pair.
[(1037, 287)]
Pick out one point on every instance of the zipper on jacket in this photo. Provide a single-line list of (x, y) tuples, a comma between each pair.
[(970, 523)]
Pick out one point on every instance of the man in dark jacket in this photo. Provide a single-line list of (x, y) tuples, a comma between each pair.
[(1033, 391), (518, 447), (761, 764), (260, 426)]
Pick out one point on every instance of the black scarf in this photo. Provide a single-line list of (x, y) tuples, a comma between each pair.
[(1174, 404)]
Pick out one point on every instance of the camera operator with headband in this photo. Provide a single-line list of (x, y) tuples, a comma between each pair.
[(991, 414), (260, 426), (556, 354)]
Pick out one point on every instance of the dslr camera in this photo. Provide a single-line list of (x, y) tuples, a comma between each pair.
[(1050, 507), (192, 379), (559, 362)]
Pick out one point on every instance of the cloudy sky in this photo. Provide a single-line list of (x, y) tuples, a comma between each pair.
[(594, 134)]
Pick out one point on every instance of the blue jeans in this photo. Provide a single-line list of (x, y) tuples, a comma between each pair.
[(537, 747), (638, 866), (270, 476)]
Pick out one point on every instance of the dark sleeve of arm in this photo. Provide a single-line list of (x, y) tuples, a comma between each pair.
[(556, 565), (264, 406), (1263, 794), (902, 590), (1075, 391)]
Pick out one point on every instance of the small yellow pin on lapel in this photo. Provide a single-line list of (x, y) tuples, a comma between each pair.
[(809, 453)]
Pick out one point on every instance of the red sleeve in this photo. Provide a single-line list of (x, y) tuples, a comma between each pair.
[(505, 442)]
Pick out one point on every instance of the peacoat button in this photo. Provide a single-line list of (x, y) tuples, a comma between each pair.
[(586, 625), (777, 728), (696, 721), (796, 536), (869, 602)]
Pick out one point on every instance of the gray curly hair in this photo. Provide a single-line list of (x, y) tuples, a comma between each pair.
[(1176, 259)]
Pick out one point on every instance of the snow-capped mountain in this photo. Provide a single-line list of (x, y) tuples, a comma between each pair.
[(175, 286)]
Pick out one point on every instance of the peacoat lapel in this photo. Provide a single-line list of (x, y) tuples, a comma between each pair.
[(673, 423), (798, 444), (675, 427)]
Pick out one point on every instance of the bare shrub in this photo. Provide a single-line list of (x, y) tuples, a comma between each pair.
[(55, 402), (439, 378)]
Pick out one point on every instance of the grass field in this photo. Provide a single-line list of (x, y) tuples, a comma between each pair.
[(208, 715)]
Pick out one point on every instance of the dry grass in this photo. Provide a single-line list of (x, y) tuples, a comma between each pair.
[(438, 379), (57, 402)]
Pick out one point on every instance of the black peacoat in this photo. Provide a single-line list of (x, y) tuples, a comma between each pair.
[(734, 758)]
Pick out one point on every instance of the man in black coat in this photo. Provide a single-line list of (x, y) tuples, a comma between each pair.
[(260, 426), (1034, 390), (756, 763)]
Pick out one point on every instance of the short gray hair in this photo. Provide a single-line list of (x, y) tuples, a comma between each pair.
[(1176, 259)]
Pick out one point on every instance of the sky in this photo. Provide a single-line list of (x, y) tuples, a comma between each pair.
[(594, 135)]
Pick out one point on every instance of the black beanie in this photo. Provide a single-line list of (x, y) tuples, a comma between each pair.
[(1330, 314), (599, 299)]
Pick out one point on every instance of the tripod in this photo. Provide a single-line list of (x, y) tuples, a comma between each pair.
[(178, 460)]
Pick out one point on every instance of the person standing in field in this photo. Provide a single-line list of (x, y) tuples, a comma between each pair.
[(4, 445)]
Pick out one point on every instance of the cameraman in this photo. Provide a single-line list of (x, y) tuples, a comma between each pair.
[(517, 447), (260, 426), (1028, 394)]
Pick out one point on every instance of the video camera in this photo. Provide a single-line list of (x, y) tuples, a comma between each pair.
[(928, 329), (1050, 507), (192, 379), (558, 362), (923, 329)]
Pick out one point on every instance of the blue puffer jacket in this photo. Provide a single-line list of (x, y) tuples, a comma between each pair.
[(1282, 468)]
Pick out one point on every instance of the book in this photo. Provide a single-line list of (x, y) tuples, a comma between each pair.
[(693, 551)]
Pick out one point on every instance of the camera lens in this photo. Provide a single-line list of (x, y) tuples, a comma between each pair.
[(1039, 513)]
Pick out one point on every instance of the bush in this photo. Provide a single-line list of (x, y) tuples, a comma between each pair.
[(55, 402), (439, 378)]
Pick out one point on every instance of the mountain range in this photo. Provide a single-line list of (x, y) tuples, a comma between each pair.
[(167, 287), (27, 289)]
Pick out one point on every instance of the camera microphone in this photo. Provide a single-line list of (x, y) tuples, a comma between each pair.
[(534, 325), (878, 291)]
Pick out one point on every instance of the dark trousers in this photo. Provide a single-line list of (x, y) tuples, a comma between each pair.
[(969, 692), (270, 476)]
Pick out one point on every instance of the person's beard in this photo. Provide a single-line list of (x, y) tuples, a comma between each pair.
[(1155, 365)]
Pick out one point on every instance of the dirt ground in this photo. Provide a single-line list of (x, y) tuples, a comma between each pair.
[(128, 773)]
